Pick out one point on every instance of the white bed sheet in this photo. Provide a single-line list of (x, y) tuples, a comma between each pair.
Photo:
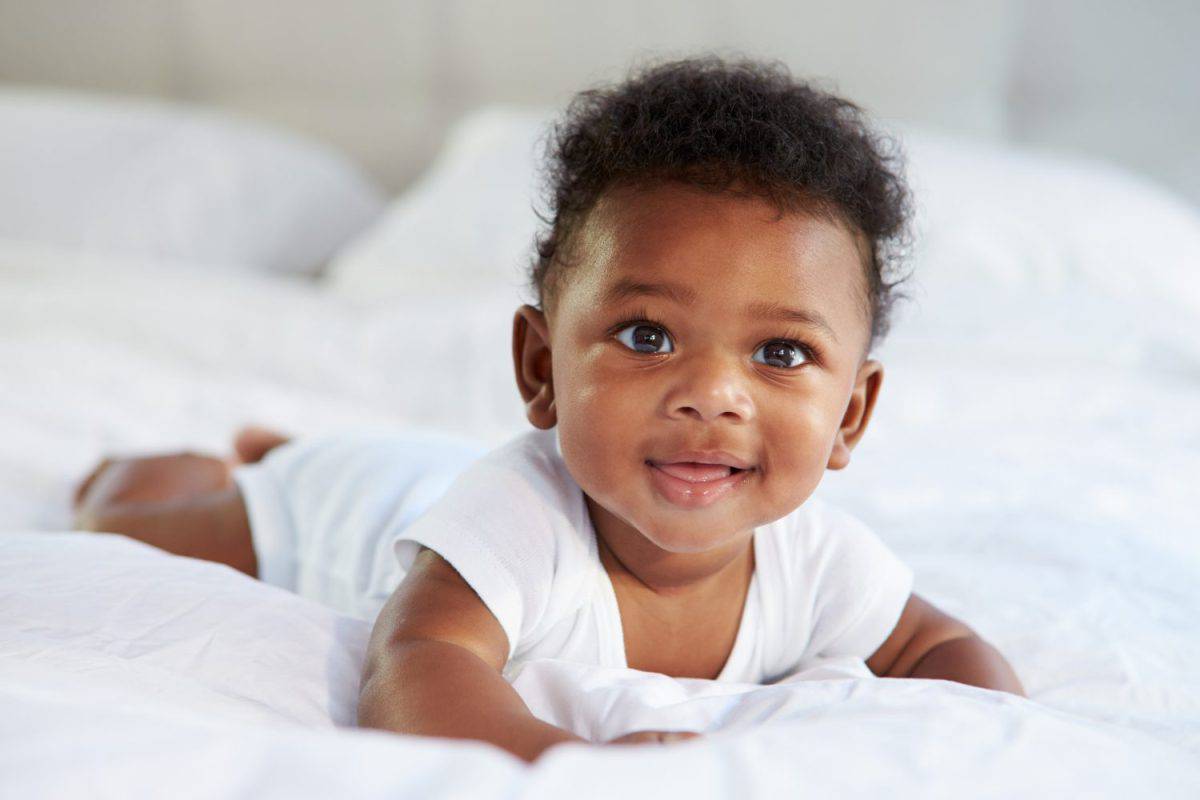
[(128, 672), (1033, 457)]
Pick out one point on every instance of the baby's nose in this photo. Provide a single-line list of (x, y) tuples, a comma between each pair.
[(712, 390)]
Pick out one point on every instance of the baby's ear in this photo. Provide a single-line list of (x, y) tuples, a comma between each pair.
[(531, 359), (858, 413)]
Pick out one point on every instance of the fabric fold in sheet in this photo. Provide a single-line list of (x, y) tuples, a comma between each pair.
[(126, 671)]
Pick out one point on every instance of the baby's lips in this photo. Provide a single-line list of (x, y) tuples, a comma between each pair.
[(694, 472)]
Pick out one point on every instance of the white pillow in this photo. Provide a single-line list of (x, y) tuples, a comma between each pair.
[(1021, 221), (467, 224), (988, 216), (134, 178)]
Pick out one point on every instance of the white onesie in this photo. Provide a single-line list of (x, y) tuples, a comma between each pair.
[(328, 515)]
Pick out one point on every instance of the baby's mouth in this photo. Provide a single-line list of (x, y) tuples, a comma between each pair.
[(696, 484), (695, 471)]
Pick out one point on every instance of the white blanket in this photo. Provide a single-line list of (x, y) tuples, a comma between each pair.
[(129, 672), (1033, 457)]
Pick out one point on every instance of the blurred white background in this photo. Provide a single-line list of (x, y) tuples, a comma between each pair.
[(384, 79)]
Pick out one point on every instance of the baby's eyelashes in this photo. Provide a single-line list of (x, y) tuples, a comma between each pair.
[(644, 338), (647, 337), (780, 353)]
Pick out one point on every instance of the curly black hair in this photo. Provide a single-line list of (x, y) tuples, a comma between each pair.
[(715, 123)]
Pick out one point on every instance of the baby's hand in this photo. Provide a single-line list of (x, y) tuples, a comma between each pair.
[(653, 737)]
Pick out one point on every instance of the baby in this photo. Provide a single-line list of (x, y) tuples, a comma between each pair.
[(710, 287)]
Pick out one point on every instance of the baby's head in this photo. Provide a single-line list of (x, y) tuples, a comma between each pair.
[(713, 280)]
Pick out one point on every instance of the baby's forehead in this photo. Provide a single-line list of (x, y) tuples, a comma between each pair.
[(719, 246)]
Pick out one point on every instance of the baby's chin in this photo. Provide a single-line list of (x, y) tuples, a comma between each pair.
[(677, 528), (692, 531)]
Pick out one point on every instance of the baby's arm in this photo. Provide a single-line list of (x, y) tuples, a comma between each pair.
[(434, 668), (928, 643)]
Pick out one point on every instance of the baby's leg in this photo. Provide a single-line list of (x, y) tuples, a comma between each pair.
[(210, 525), (318, 517), (185, 504), (325, 510)]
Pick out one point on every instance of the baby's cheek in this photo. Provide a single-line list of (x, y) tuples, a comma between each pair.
[(584, 445), (803, 482), (601, 404), (593, 442), (795, 464)]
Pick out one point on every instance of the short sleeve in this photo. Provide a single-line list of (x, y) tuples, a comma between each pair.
[(861, 588), (505, 525)]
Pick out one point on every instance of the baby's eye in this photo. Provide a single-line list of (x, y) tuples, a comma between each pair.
[(645, 338), (779, 353)]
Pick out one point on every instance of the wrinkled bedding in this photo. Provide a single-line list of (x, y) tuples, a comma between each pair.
[(136, 671), (1034, 458)]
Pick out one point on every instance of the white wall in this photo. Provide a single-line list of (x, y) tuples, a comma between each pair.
[(384, 78), (1118, 80)]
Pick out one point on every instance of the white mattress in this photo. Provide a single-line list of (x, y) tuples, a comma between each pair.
[(1034, 460)]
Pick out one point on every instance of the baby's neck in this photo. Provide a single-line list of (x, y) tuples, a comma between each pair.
[(634, 561)]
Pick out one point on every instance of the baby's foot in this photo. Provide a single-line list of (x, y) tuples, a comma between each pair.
[(252, 443)]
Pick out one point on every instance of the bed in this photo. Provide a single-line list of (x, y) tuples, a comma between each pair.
[(1034, 457)]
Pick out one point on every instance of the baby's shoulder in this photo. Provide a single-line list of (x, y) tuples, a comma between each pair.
[(528, 468), (512, 526), (521, 495)]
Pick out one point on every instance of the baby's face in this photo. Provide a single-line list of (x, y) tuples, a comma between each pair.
[(705, 352)]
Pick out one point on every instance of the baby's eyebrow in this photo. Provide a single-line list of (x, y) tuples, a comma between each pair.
[(804, 317), (626, 288)]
